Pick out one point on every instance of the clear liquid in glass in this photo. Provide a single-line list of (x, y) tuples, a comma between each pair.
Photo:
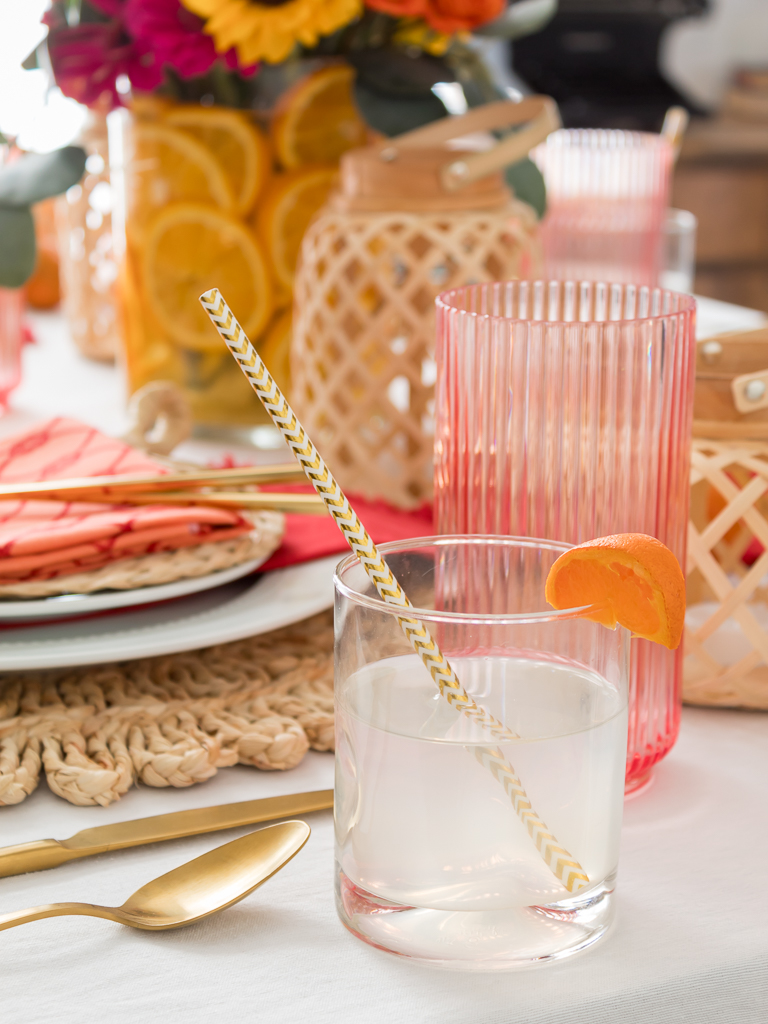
[(432, 861)]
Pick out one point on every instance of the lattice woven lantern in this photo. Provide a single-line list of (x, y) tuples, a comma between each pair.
[(411, 219), (726, 640)]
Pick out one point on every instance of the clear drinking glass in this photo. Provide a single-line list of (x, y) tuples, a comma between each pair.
[(432, 860), (564, 410), (678, 251), (607, 194)]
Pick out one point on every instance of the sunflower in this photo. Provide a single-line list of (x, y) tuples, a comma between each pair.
[(269, 31)]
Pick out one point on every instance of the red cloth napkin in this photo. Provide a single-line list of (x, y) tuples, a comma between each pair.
[(43, 539), (308, 537)]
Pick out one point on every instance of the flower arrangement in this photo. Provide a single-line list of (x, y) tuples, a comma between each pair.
[(194, 48), (240, 113)]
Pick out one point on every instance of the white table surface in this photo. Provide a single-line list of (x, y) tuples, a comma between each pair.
[(690, 945)]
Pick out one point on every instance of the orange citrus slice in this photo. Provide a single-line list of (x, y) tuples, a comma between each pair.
[(634, 579), (190, 248), (317, 120), (240, 148), (169, 166), (284, 213), (275, 349)]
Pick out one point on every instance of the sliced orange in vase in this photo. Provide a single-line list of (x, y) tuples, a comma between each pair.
[(630, 579), (191, 247), (238, 145), (283, 213), (316, 120)]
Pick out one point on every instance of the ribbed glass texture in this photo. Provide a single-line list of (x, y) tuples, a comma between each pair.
[(607, 195), (563, 411)]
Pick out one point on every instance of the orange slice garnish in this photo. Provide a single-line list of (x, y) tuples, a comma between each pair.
[(632, 579)]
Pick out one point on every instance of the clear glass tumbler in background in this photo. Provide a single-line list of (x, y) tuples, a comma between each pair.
[(564, 411), (607, 195), (432, 861), (678, 251)]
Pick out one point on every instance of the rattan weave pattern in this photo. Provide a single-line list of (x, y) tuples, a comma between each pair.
[(168, 721)]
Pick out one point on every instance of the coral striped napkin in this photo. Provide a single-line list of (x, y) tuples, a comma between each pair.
[(43, 539)]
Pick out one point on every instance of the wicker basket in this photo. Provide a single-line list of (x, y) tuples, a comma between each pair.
[(726, 640), (373, 262)]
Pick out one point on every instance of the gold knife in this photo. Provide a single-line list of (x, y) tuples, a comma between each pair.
[(49, 853)]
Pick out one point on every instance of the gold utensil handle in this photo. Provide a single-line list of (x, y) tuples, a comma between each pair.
[(275, 501), (237, 477), (53, 910), (49, 853), (36, 856)]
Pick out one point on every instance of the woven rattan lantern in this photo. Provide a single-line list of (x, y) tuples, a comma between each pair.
[(726, 640), (414, 215)]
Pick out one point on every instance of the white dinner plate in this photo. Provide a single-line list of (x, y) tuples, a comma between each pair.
[(67, 605), (238, 609)]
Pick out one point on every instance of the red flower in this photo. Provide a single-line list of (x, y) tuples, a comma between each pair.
[(87, 59), (136, 39), (175, 35), (443, 15)]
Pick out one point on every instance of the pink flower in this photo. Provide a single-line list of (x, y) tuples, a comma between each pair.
[(175, 35), (87, 59), (137, 39)]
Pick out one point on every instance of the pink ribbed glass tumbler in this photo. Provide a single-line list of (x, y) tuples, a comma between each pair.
[(607, 198), (563, 411)]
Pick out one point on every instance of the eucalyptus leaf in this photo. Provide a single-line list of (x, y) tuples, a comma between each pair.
[(392, 116), (17, 247), (398, 73), (37, 176), (522, 18), (526, 181)]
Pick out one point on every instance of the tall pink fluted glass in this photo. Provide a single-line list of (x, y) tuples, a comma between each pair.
[(564, 411), (607, 197)]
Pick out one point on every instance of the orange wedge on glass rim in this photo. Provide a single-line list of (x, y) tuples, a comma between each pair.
[(631, 579)]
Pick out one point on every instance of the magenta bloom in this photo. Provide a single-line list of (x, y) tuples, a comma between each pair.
[(175, 35), (137, 39), (87, 59)]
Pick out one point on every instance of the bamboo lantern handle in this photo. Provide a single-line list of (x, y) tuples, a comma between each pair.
[(540, 112)]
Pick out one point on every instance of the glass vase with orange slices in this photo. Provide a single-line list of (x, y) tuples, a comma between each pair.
[(210, 197)]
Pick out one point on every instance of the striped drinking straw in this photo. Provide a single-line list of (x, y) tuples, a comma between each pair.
[(556, 857)]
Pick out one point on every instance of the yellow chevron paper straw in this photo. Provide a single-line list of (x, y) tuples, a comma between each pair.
[(560, 862)]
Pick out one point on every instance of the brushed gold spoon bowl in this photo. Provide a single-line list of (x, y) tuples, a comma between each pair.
[(197, 889)]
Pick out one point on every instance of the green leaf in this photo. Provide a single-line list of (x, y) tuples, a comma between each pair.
[(526, 181), (37, 176), (392, 116), (398, 73), (17, 247)]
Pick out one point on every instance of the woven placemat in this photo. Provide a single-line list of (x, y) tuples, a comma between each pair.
[(168, 721), (163, 566)]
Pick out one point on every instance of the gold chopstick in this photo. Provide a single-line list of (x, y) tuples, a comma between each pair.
[(241, 476), (276, 501)]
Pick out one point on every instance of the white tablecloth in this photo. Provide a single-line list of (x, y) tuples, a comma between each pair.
[(690, 945)]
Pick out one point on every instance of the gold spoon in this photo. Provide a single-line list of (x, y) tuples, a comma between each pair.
[(197, 889)]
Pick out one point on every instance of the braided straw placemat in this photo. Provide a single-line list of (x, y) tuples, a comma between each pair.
[(163, 566), (168, 721)]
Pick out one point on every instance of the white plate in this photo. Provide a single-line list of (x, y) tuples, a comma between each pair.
[(63, 605), (236, 610)]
